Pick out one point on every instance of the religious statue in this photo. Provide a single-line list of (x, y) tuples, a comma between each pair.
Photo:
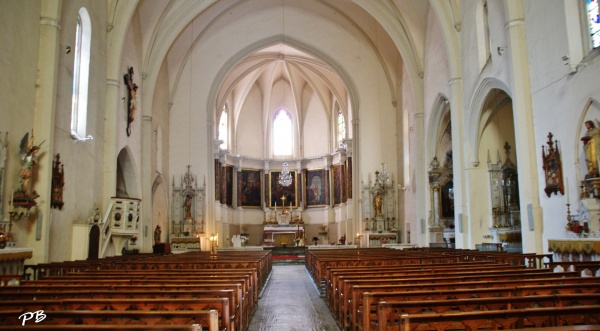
[(28, 153), (131, 98), (58, 183), (591, 146), (378, 201), (157, 233), (187, 206)]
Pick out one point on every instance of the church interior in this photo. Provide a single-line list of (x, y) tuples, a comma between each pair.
[(252, 128)]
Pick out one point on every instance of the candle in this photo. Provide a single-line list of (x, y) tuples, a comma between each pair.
[(567, 188), (275, 206)]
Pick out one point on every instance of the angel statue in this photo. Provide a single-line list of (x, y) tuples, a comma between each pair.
[(28, 153)]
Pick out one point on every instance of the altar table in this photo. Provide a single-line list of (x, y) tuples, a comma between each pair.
[(12, 261)]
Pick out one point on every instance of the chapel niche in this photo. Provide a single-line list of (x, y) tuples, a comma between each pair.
[(504, 195), (187, 211), (441, 189)]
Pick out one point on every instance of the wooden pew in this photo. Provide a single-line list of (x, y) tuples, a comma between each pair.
[(504, 319), (345, 286), (220, 305), (389, 313), (369, 310), (104, 327), (110, 317)]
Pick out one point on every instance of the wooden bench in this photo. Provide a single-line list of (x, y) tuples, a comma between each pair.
[(390, 312), (105, 327), (500, 319), (357, 293), (110, 317), (345, 286), (370, 300)]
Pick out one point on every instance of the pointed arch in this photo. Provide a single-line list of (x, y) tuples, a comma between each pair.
[(476, 115), (440, 115), (127, 180)]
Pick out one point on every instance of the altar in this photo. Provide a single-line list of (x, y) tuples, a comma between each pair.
[(12, 261), (575, 249), (282, 236)]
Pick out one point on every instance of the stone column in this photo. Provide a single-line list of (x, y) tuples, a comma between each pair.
[(43, 126), (531, 214)]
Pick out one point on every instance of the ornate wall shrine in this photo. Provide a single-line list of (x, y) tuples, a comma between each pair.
[(506, 210), (379, 210), (187, 224)]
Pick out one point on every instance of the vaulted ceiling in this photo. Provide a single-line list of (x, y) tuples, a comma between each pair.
[(170, 29)]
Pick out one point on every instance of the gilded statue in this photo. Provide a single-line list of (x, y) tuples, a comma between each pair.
[(378, 201), (591, 146)]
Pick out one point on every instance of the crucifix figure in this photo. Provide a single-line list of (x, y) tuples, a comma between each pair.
[(131, 98)]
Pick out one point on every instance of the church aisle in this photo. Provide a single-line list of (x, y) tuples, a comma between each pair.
[(291, 302)]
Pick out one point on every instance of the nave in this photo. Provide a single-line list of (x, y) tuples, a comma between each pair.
[(290, 301)]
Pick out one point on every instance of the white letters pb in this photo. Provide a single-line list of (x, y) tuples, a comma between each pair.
[(39, 316)]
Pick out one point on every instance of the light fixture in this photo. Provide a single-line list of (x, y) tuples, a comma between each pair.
[(285, 177)]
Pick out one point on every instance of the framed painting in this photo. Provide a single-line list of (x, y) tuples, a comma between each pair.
[(316, 188), (229, 185), (336, 171), (277, 191), (250, 188), (349, 177), (217, 180)]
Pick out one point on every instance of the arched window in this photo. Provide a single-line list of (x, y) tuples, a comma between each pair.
[(223, 128), (593, 13), (81, 74), (282, 134), (341, 128)]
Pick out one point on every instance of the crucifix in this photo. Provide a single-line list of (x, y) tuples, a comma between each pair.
[(131, 98)]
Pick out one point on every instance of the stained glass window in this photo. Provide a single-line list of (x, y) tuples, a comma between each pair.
[(223, 129), (594, 22), (341, 128), (282, 133)]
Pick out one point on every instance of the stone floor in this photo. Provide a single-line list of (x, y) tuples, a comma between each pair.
[(291, 302)]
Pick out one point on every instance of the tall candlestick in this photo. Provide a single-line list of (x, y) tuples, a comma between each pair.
[(567, 188)]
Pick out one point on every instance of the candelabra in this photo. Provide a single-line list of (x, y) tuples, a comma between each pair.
[(569, 226)]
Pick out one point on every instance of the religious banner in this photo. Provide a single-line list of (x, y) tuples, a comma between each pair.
[(250, 188), (277, 191)]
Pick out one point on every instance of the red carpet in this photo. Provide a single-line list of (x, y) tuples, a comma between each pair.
[(288, 257)]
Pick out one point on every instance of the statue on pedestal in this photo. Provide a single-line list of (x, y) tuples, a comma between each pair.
[(591, 146)]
